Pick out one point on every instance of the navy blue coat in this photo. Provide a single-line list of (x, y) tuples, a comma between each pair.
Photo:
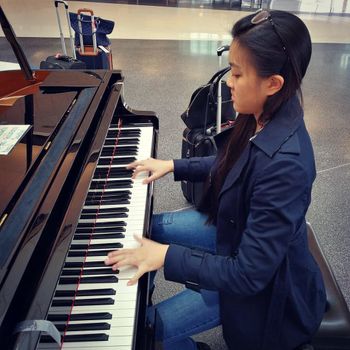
[(271, 290)]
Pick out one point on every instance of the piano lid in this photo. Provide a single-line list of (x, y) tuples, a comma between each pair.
[(37, 98), (55, 97)]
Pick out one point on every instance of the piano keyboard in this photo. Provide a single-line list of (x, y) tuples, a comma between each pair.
[(103, 314)]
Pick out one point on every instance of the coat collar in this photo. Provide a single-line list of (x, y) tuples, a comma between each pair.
[(270, 139), (283, 125)]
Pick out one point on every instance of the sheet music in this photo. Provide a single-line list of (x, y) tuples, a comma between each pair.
[(9, 66), (10, 136)]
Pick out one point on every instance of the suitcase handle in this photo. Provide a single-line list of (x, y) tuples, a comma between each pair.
[(69, 28), (93, 30), (61, 2), (85, 10)]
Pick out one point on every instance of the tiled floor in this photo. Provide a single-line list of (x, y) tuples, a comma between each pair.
[(166, 52)]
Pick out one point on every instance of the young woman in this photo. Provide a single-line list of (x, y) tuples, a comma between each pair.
[(244, 256)]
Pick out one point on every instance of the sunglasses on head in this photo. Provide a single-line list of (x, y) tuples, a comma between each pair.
[(262, 16)]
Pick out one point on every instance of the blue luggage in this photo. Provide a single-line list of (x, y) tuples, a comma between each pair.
[(93, 46), (63, 61)]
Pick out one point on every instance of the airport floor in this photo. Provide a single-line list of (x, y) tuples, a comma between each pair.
[(166, 52)]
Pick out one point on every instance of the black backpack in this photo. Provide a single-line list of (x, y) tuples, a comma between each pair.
[(201, 112)]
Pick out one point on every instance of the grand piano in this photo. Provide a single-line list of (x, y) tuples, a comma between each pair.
[(66, 200)]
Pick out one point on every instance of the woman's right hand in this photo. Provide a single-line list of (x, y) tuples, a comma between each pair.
[(157, 167)]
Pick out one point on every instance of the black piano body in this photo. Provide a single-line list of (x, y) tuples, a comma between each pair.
[(44, 183)]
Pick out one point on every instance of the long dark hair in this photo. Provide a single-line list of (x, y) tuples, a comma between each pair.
[(287, 53)]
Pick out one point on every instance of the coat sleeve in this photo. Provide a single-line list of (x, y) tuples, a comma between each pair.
[(277, 208), (193, 169)]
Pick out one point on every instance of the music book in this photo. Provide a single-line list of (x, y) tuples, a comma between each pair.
[(10, 135)]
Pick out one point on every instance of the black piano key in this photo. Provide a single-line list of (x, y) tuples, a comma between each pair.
[(79, 264), (121, 151), (105, 195), (86, 292), (105, 210), (119, 193), (106, 198), (86, 337), (125, 127), (112, 173), (88, 271), (132, 124), (98, 202), (101, 326), (114, 170), (109, 174), (103, 216), (107, 202), (96, 279), (116, 161), (111, 184), (106, 213), (102, 224), (109, 199), (95, 246), (99, 236), (98, 230), (82, 302), (118, 149), (100, 183), (77, 338), (80, 317), (123, 133), (131, 141), (79, 253)]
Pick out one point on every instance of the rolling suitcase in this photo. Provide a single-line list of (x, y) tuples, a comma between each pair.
[(204, 123), (63, 61), (95, 56)]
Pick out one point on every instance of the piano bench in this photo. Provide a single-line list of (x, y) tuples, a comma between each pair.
[(334, 331)]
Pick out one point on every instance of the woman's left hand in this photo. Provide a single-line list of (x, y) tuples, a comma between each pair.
[(149, 256)]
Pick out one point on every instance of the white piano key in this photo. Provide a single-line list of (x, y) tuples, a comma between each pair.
[(112, 342)]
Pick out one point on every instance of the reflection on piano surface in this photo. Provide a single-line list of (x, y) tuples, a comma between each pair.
[(66, 200)]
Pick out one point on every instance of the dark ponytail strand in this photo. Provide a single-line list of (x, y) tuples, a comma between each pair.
[(242, 130)]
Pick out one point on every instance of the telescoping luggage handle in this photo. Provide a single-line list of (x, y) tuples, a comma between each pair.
[(93, 31), (219, 52), (60, 28)]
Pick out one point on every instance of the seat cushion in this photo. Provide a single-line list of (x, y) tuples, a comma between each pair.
[(334, 332)]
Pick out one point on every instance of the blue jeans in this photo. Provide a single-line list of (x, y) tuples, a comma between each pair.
[(188, 312)]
